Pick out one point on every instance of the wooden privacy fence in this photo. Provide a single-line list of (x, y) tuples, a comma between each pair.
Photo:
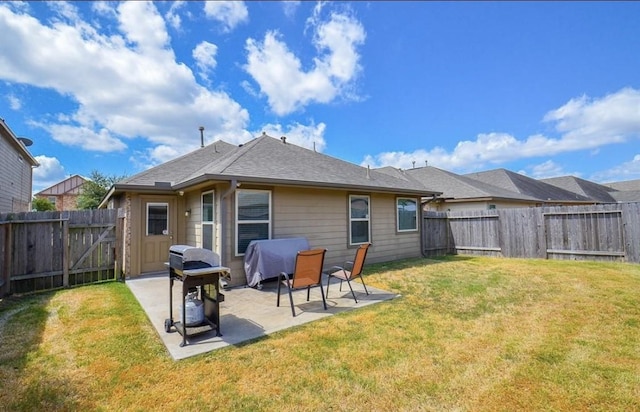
[(49, 250), (595, 232)]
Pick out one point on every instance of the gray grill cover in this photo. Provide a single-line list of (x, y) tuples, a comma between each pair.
[(265, 259)]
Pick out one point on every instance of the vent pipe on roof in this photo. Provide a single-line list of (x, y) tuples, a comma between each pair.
[(201, 128), (426, 163), (414, 164), (368, 173), (284, 139)]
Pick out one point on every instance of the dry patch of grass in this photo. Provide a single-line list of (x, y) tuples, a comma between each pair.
[(468, 334)]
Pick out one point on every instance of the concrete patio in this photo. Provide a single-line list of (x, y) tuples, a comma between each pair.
[(246, 313)]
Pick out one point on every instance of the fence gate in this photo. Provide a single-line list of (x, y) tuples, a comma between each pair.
[(49, 250)]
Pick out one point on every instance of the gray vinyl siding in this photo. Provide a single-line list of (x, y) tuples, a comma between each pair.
[(322, 217), (15, 179)]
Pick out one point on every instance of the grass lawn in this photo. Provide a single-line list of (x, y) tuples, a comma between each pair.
[(468, 334)]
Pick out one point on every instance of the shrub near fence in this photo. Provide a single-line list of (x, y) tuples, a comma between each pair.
[(594, 232), (49, 250)]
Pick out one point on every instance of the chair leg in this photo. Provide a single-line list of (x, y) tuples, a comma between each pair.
[(279, 283), (324, 302), (352, 292), (365, 286), (328, 281), (293, 311)]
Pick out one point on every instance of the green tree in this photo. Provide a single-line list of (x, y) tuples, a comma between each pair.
[(41, 204), (95, 189)]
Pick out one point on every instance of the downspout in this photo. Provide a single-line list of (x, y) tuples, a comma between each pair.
[(223, 213), (433, 197)]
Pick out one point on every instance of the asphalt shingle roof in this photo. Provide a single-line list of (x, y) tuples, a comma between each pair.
[(454, 186), (528, 186), (266, 159), (582, 187)]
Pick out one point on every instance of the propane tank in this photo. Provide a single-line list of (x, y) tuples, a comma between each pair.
[(194, 309)]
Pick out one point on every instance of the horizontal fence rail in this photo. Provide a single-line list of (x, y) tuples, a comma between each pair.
[(50, 250), (595, 232)]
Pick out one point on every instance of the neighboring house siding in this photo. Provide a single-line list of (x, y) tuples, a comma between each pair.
[(464, 206), (15, 179)]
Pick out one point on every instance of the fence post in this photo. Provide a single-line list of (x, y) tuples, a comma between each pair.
[(5, 285), (65, 253)]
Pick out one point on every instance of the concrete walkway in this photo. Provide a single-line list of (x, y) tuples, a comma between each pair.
[(246, 313)]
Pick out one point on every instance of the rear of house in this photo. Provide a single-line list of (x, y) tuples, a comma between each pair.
[(221, 197)]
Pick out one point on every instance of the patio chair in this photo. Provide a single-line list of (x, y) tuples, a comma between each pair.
[(307, 273), (354, 271)]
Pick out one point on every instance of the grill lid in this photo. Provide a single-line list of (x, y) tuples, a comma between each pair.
[(194, 254)]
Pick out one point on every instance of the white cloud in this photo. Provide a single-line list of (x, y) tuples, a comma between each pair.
[(584, 124), (229, 13), (280, 73), (626, 171), (48, 173), (205, 56), (612, 119), (290, 7), (126, 83), (14, 102), (547, 169), (310, 136), (172, 16)]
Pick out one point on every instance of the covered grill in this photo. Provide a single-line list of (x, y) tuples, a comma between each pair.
[(199, 271)]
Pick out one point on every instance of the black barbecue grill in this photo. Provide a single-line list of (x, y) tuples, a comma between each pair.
[(199, 270)]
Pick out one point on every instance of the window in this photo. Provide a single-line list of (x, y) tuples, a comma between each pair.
[(52, 199), (207, 220), (491, 207), (359, 219), (407, 214), (253, 217), (157, 219)]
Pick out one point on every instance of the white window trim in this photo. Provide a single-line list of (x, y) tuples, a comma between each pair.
[(237, 221), (211, 223), (415, 201), (147, 217), (365, 219)]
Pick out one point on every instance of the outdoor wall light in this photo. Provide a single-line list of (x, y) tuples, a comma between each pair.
[(187, 213)]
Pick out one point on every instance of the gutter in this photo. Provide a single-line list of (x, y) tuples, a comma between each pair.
[(300, 183)]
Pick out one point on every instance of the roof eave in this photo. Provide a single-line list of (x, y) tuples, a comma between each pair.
[(302, 183)]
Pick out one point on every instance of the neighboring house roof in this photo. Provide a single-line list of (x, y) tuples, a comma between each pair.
[(626, 196), (266, 160), (516, 182), (458, 187), (16, 143), (69, 186), (582, 187), (625, 185)]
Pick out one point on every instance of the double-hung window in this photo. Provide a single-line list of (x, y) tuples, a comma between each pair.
[(208, 222), (407, 214), (253, 217), (359, 219)]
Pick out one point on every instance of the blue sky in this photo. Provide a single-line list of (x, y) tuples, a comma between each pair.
[(541, 88)]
